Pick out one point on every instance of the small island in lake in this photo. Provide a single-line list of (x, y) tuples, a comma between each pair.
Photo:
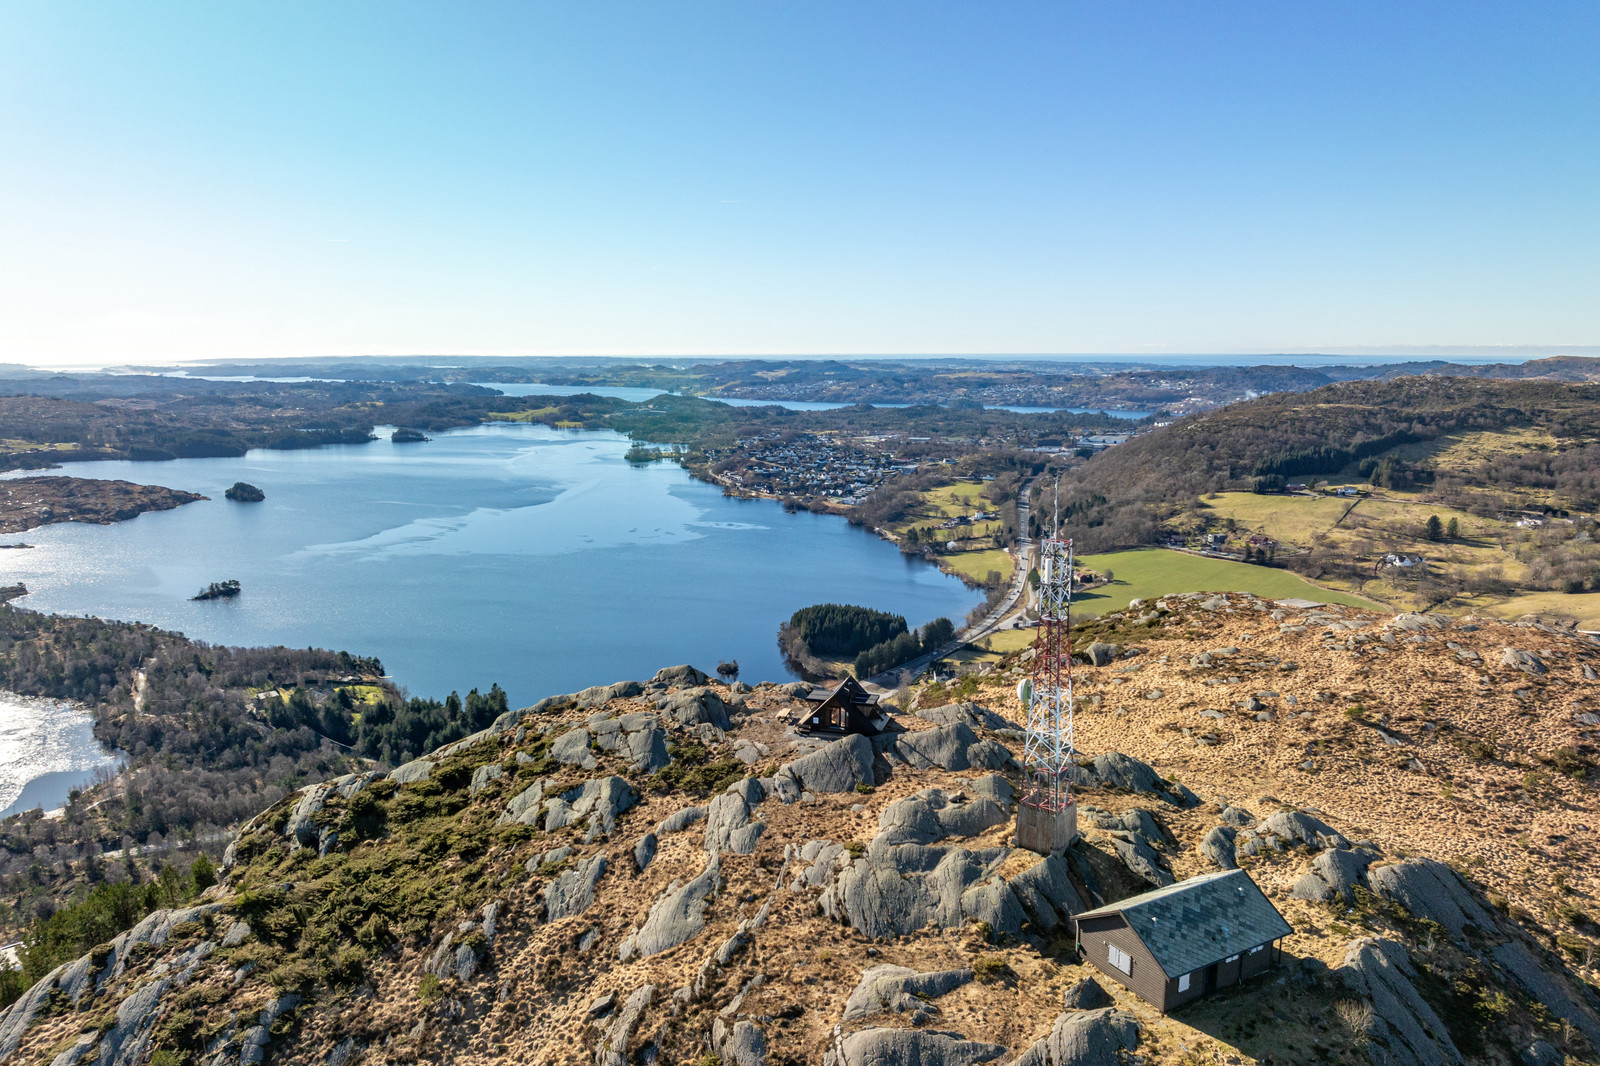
[(218, 590), (245, 492), (408, 436)]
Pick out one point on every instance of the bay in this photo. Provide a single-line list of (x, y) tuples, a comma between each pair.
[(524, 555)]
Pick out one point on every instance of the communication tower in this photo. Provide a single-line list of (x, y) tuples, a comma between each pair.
[(1047, 817)]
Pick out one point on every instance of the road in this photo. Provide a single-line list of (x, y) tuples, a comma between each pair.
[(990, 622)]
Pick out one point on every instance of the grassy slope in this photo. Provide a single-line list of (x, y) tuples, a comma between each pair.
[(1149, 573), (949, 501)]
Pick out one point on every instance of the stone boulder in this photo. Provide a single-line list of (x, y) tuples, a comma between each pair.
[(967, 713), (1085, 1038), (1401, 1028), (1086, 994), (612, 1047), (1101, 654), (647, 749), (949, 747), (1334, 874), (679, 675), (676, 917), (680, 820), (1526, 661), (739, 1044), (910, 1047), (897, 988), (897, 890), (1218, 847), (1046, 892), (839, 767), (598, 695), (600, 801), (933, 814), (1547, 986), (1116, 770), (695, 706), (1432, 890), (728, 824), (1141, 859), (572, 749), (573, 891)]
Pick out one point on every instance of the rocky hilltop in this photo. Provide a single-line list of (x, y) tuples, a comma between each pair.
[(26, 502), (663, 871)]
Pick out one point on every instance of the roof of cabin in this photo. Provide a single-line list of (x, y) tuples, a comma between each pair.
[(1199, 921)]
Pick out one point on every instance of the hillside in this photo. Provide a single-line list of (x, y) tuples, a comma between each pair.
[(660, 871), (1514, 465)]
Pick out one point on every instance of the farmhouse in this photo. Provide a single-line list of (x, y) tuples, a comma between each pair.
[(1175, 944), (1404, 560), (849, 708)]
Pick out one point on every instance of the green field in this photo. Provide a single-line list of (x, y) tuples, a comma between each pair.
[(1152, 572), (977, 564)]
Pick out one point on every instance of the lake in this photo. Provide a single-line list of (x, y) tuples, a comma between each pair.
[(532, 557), (47, 749), (639, 395)]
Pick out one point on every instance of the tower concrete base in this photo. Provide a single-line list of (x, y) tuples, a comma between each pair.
[(1046, 832)]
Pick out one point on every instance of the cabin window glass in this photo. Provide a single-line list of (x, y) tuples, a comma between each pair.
[(1256, 949), (1183, 983), (1119, 958)]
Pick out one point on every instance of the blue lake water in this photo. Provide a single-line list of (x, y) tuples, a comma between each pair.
[(523, 555), (638, 395), (47, 749)]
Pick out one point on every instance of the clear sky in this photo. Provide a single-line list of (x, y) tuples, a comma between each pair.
[(184, 181)]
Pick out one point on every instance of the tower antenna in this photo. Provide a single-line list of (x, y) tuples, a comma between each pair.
[(1047, 815)]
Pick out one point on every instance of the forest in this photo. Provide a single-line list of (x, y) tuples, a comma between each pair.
[(872, 641), (207, 747)]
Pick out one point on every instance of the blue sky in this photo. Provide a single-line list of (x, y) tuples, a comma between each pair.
[(250, 179)]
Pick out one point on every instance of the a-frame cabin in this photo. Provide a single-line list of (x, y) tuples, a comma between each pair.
[(849, 708)]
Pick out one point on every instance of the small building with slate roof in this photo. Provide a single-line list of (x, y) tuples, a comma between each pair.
[(1176, 944), (849, 708)]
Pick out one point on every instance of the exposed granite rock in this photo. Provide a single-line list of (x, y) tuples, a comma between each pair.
[(677, 916), (897, 988), (573, 891), (1432, 890), (839, 767), (1085, 1038), (1402, 1029), (910, 1047)]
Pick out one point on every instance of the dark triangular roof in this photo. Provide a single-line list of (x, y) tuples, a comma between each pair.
[(1199, 921)]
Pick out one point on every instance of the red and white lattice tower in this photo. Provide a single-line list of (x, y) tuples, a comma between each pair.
[(1047, 819)]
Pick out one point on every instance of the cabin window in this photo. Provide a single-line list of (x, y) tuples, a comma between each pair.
[(1231, 958), (1261, 947), (815, 719), (1119, 958), (1183, 983)]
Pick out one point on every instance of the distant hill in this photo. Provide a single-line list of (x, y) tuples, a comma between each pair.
[(1122, 497)]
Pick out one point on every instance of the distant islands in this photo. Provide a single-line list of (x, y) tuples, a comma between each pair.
[(218, 590), (245, 492), (409, 436), (27, 502)]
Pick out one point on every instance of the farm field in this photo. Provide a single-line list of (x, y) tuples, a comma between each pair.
[(1151, 572), (951, 501), (977, 564)]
